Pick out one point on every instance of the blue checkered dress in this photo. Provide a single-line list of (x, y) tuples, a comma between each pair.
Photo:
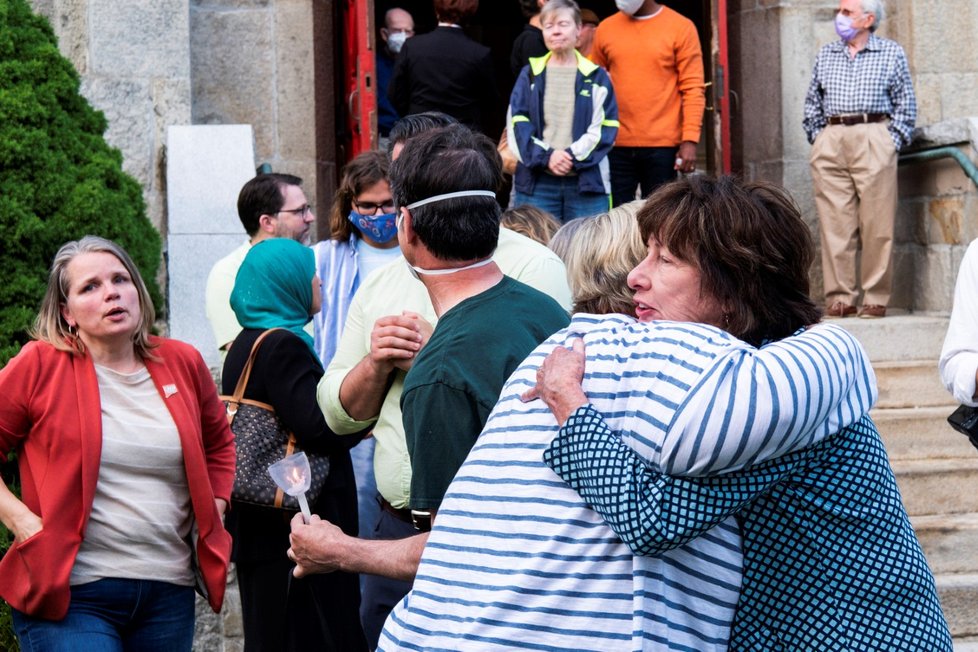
[(877, 80), (831, 562)]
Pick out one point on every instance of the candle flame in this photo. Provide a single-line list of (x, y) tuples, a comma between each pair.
[(295, 477)]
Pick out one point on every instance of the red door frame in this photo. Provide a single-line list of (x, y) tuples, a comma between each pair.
[(359, 74), (721, 86)]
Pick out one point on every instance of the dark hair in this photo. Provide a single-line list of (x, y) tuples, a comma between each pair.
[(417, 123), (530, 8), (445, 160), (455, 11), (263, 195), (750, 245), (364, 171)]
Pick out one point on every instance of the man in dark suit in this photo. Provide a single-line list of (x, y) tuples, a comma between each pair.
[(444, 70)]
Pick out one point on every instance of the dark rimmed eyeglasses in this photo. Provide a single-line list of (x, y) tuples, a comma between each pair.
[(302, 211), (371, 208)]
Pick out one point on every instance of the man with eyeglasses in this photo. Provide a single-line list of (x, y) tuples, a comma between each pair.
[(269, 206)]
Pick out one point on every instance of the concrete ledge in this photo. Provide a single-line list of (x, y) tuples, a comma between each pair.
[(959, 594), (911, 383), (950, 542), (938, 486), (899, 337), (921, 433)]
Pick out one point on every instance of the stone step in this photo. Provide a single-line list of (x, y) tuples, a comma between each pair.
[(938, 486), (959, 595), (921, 433), (910, 383), (899, 337), (968, 644), (950, 541)]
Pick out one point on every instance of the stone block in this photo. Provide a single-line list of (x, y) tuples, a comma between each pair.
[(233, 72), (910, 226), (139, 39), (295, 81), (69, 19), (191, 257), (127, 105), (946, 216), (927, 89), (934, 288), (904, 266), (959, 93), (171, 106), (757, 80), (206, 167)]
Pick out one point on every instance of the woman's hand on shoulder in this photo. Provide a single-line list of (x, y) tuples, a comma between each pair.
[(559, 381)]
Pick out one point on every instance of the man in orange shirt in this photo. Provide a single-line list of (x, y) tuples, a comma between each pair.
[(653, 56)]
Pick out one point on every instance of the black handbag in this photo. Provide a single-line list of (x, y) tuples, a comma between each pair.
[(965, 421), (261, 439)]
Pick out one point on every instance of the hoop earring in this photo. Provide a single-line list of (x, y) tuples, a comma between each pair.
[(72, 330)]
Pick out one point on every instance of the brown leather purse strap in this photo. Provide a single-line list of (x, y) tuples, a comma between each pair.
[(239, 389)]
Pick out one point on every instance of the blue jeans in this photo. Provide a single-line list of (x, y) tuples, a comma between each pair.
[(648, 167), (113, 615), (560, 197), (362, 456)]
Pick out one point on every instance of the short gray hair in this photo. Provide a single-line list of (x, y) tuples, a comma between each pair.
[(877, 8)]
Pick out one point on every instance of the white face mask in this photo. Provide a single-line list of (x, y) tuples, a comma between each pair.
[(395, 41), (629, 6), (416, 271)]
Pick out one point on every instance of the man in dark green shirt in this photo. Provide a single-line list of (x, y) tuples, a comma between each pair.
[(448, 226)]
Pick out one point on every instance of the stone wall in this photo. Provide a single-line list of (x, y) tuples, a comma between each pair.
[(252, 63), (134, 62)]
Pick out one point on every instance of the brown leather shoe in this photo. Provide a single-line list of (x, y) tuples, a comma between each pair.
[(872, 312), (838, 310)]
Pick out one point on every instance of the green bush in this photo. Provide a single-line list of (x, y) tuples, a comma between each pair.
[(59, 180)]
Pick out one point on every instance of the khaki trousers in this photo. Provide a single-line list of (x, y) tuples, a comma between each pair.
[(854, 169)]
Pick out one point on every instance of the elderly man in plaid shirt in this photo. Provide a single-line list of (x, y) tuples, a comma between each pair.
[(859, 111)]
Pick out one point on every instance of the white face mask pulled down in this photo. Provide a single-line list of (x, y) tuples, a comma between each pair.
[(629, 6), (417, 271)]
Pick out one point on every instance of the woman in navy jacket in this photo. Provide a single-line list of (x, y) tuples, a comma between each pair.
[(563, 154)]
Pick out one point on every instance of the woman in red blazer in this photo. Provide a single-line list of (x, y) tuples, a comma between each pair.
[(126, 463)]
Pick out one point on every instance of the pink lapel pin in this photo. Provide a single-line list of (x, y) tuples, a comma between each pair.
[(169, 390)]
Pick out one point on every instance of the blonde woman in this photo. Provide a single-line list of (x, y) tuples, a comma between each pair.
[(126, 463), (601, 253)]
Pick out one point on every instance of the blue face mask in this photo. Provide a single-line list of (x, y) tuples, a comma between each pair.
[(844, 28), (379, 228)]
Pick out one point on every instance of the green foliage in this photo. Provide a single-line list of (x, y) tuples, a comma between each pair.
[(59, 180), (8, 642)]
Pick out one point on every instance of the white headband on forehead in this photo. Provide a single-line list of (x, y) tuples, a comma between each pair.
[(452, 195)]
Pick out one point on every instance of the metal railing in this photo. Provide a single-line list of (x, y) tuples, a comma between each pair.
[(948, 151)]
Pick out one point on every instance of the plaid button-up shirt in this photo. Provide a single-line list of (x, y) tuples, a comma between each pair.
[(876, 80)]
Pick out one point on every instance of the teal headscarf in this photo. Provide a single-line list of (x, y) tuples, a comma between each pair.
[(273, 288)]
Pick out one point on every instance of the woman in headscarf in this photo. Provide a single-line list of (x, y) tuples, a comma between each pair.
[(277, 287)]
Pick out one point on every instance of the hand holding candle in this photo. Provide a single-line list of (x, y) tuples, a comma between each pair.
[(293, 476)]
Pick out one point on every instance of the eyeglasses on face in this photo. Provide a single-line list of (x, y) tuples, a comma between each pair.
[(371, 208), (303, 211)]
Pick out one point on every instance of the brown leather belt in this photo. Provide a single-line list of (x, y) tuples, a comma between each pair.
[(857, 119), (420, 519)]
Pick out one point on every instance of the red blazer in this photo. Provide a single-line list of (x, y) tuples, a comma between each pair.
[(50, 412)]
